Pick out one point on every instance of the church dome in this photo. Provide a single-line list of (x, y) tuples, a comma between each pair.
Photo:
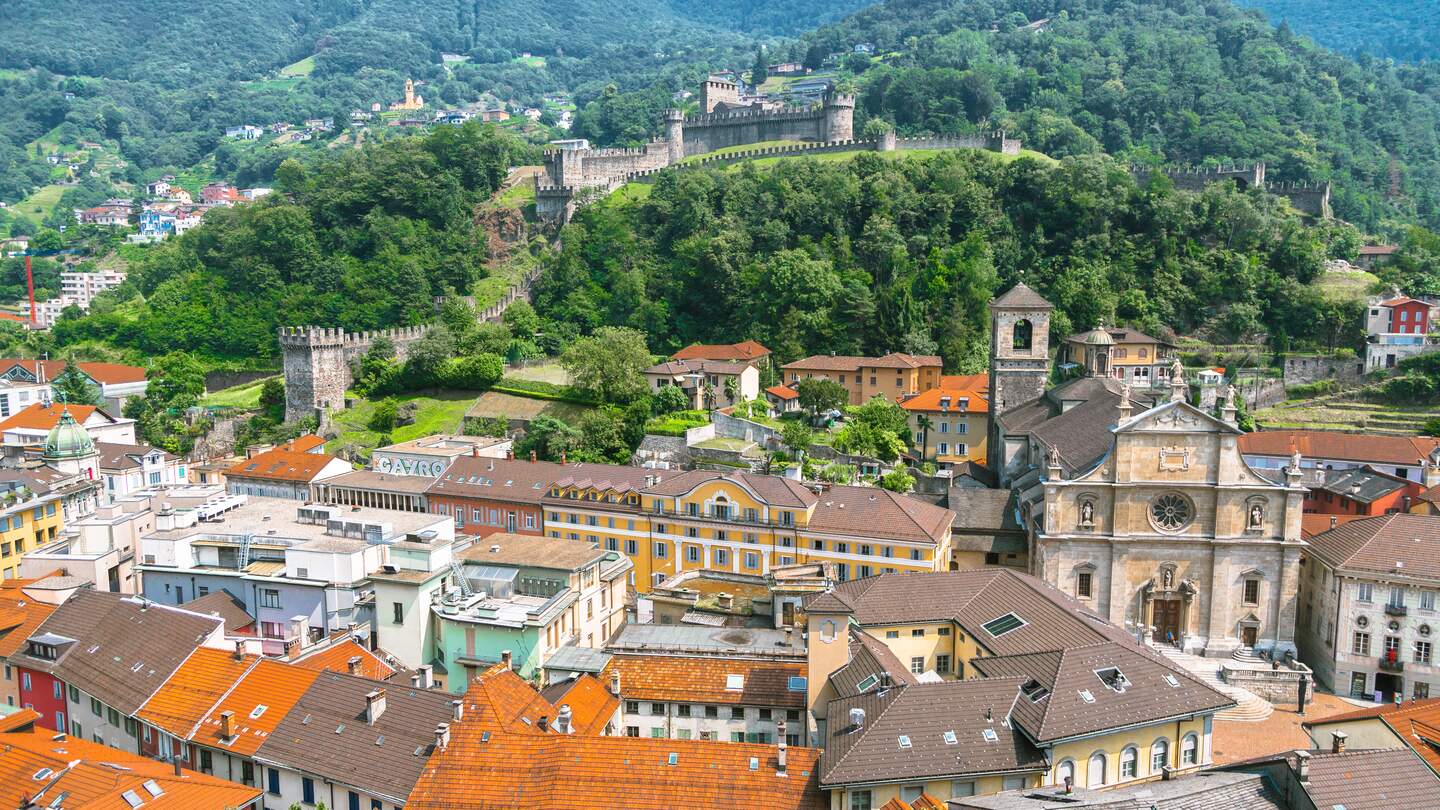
[(68, 439), (1099, 336)]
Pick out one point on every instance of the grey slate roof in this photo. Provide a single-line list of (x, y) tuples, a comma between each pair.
[(220, 603), (1080, 434), (326, 730), (1206, 790), (124, 648), (1021, 297), (924, 713), (1389, 779), (1062, 711), (1361, 484)]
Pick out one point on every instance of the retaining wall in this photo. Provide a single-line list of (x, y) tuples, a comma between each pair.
[(1280, 686), (733, 427)]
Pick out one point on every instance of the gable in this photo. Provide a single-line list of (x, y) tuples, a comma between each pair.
[(1175, 417)]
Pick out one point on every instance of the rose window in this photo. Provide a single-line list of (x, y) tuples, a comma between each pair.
[(1171, 513)]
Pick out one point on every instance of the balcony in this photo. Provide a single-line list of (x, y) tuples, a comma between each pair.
[(1388, 664), (1395, 610)]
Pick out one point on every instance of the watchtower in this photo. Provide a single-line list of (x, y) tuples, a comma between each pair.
[(839, 117), (675, 135), (316, 371), (716, 91), (1019, 357)]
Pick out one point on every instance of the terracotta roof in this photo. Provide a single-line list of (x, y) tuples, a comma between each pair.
[(124, 648), (1121, 334), (929, 715), (486, 767), (833, 362), (744, 350), (19, 616), (1021, 297), (282, 465), (930, 401), (967, 382), (709, 680), (179, 706), (1387, 544), (678, 367), (773, 489), (1313, 524), (221, 603), (1385, 779), (40, 417), (1378, 250), (925, 802), (104, 373), (782, 392), (504, 548), (1401, 301), (304, 444), (1361, 447), (1415, 722), (326, 729), (1070, 674), (90, 775), (500, 479), (336, 658), (883, 513), (259, 701), (1431, 495)]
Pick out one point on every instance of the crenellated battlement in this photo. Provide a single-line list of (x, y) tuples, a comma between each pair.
[(735, 116)]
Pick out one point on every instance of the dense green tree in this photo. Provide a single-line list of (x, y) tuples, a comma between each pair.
[(74, 387), (608, 364), (817, 394)]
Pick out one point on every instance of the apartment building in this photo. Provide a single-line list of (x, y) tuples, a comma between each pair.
[(896, 375), (429, 456), (1396, 327), (950, 424), (1368, 617), (1402, 456), (689, 697), (488, 495), (707, 384), (667, 523), (29, 518), (989, 680)]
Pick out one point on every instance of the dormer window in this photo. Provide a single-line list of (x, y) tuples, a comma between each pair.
[(45, 651), (1113, 679)]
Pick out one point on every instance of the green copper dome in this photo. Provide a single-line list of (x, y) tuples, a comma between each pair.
[(68, 439)]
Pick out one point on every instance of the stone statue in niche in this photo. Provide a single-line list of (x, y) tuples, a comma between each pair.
[(1087, 513), (1257, 517), (1167, 578)]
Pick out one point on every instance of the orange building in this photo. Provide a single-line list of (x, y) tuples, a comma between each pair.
[(896, 375), (950, 424), (1362, 491)]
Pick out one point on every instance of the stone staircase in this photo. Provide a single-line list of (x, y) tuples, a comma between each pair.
[(1248, 709), (1247, 655)]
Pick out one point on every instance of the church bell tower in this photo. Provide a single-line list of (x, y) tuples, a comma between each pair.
[(1019, 358)]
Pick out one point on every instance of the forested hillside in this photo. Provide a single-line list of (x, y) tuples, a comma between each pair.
[(882, 254), (363, 239), (1172, 81), (1407, 30)]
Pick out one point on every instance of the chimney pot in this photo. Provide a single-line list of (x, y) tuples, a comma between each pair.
[(474, 451), (505, 657), (615, 682), (374, 706), (239, 650), (1337, 742), (176, 759), (459, 707), (543, 723), (563, 720), (353, 665), (532, 456), (415, 681), (227, 724), (1302, 765), (1334, 521), (780, 757)]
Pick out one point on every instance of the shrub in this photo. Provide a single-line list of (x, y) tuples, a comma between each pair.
[(383, 419), (475, 373), (1314, 389)]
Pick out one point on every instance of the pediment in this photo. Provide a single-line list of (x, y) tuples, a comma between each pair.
[(1175, 417)]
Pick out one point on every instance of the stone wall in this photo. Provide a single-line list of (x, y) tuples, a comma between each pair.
[(1309, 368), (1310, 199), (316, 362), (733, 427), (1280, 686)]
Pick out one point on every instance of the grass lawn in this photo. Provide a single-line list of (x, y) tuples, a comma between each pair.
[(730, 150), (304, 67), (1343, 286), (41, 204), (724, 443), (631, 192), (245, 396), (548, 372), (517, 196), (531, 61), (442, 413), (493, 404)]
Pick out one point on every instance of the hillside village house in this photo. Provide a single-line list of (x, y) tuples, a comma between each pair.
[(746, 351), (1133, 356), (672, 522), (1396, 327), (282, 473), (1368, 620), (707, 384), (951, 423), (129, 468), (17, 395), (896, 375), (1403, 456), (987, 680)]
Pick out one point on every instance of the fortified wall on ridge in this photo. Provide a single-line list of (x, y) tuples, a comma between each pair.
[(1312, 199)]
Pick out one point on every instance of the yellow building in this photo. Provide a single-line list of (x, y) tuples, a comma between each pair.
[(1132, 356), (896, 375), (989, 680), (950, 424), (669, 522), (412, 101), (27, 521)]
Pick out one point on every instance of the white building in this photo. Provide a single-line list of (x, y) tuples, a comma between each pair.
[(130, 468), (1396, 327), (1368, 618), (81, 288), (247, 132)]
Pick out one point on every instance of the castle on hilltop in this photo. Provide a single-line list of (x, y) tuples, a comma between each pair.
[(1311, 199), (576, 173)]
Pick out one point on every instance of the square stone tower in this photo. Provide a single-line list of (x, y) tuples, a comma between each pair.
[(316, 371), (1019, 355)]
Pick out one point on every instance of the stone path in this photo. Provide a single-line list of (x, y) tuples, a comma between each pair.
[(1250, 709), (1281, 731)]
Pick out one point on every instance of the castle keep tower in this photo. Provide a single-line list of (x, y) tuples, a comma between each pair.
[(716, 91), (316, 372), (675, 135), (839, 117), (1019, 356)]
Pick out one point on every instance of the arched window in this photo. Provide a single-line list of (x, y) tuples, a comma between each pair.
[(1097, 769), (1190, 750), (1129, 762), (1065, 770), (1159, 756), (1023, 335)]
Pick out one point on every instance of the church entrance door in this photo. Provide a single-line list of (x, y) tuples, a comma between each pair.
[(1247, 636), (1166, 618)]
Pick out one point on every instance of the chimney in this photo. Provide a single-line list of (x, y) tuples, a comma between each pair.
[(1302, 766), (1337, 742), (459, 707), (239, 650), (724, 600), (427, 676), (227, 725), (1334, 521), (509, 454), (543, 723), (562, 457), (505, 658), (474, 451), (352, 666), (532, 456), (176, 760), (563, 720), (790, 636), (442, 736), (780, 756), (374, 706), (615, 682), (415, 681), (857, 718), (1167, 773)]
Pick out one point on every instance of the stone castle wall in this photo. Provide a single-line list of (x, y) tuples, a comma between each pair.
[(316, 361), (1310, 199), (710, 131)]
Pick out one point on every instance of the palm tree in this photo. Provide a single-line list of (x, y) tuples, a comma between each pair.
[(708, 394), (923, 422), (732, 390)]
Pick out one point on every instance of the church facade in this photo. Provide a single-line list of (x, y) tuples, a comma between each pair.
[(1145, 511)]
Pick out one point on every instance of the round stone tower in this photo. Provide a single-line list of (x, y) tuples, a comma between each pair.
[(675, 135), (839, 117)]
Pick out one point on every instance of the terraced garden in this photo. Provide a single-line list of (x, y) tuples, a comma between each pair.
[(1342, 412)]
